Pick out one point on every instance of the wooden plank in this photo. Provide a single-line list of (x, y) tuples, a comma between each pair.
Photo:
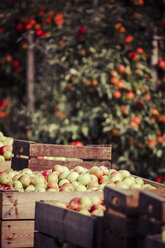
[(122, 226), (21, 205), (42, 240), (124, 201), (66, 224), (17, 233), (19, 163), (33, 149), (154, 241), (146, 226), (68, 151), (21, 147), (4, 165), (112, 240), (152, 204), (43, 164)]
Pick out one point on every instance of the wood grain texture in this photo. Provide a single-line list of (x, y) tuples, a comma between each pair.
[(21, 147), (152, 204), (17, 233), (43, 164), (154, 241), (68, 151), (65, 224), (21, 205), (4, 165)]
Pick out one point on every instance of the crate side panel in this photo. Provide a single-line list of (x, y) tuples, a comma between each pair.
[(17, 233), (21, 205), (4, 165), (43, 164), (42, 240), (64, 224), (68, 151)]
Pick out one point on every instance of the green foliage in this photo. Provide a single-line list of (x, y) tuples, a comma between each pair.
[(74, 92)]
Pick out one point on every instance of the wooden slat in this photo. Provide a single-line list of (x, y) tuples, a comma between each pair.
[(122, 226), (153, 204), (83, 152), (19, 163), (146, 226), (154, 241), (21, 205), (4, 165), (17, 233), (42, 241), (43, 164), (124, 201), (21, 147), (65, 224)]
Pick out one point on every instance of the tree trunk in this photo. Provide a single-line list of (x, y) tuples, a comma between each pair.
[(30, 74), (154, 57)]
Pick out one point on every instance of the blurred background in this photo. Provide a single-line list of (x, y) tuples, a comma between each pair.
[(86, 72)]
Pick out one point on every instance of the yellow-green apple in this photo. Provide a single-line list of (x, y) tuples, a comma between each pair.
[(79, 169), (96, 171), (40, 188), (61, 182), (124, 173), (74, 203), (25, 180), (80, 187), (122, 185), (75, 184), (52, 177), (93, 184), (128, 181), (39, 179), (59, 204), (110, 171), (27, 171), (60, 168), (72, 176), (16, 185), (98, 212), (104, 169), (7, 155), (84, 178), (85, 212), (30, 188), (139, 180), (85, 201), (66, 186), (96, 200), (52, 184), (115, 176), (2, 158), (5, 178), (135, 186), (63, 175)]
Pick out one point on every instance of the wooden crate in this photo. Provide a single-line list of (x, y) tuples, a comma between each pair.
[(151, 212), (87, 156), (42, 240), (17, 211), (70, 226), (4, 165), (154, 241)]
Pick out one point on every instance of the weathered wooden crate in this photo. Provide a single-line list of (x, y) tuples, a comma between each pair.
[(17, 211), (4, 165), (154, 241), (87, 156), (68, 225), (151, 212), (42, 240), (121, 216)]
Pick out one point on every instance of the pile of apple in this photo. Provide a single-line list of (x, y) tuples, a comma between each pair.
[(85, 205), (60, 178), (6, 144)]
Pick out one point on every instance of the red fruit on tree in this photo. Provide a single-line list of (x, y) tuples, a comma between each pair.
[(117, 94), (130, 95), (16, 63), (161, 64), (129, 38), (76, 143), (20, 26), (160, 139), (140, 50), (121, 68), (38, 32), (151, 143)]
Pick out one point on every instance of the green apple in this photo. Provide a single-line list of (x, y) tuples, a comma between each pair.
[(40, 188), (79, 169), (139, 180), (16, 185), (98, 212), (75, 184), (51, 190), (7, 155), (135, 186), (96, 200), (124, 173), (94, 178), (61, 182), (5, 178), (2, 158), (63, 175), (38, 179), (93, 184), (84, 179), (85, 201), (85, 212), (80, 187), (110, 171), (104, 170), (128, 181), (52, 177), (25, 180), (72, 176), (59, 204), (121, 185), (30, 188), (27, 171)]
